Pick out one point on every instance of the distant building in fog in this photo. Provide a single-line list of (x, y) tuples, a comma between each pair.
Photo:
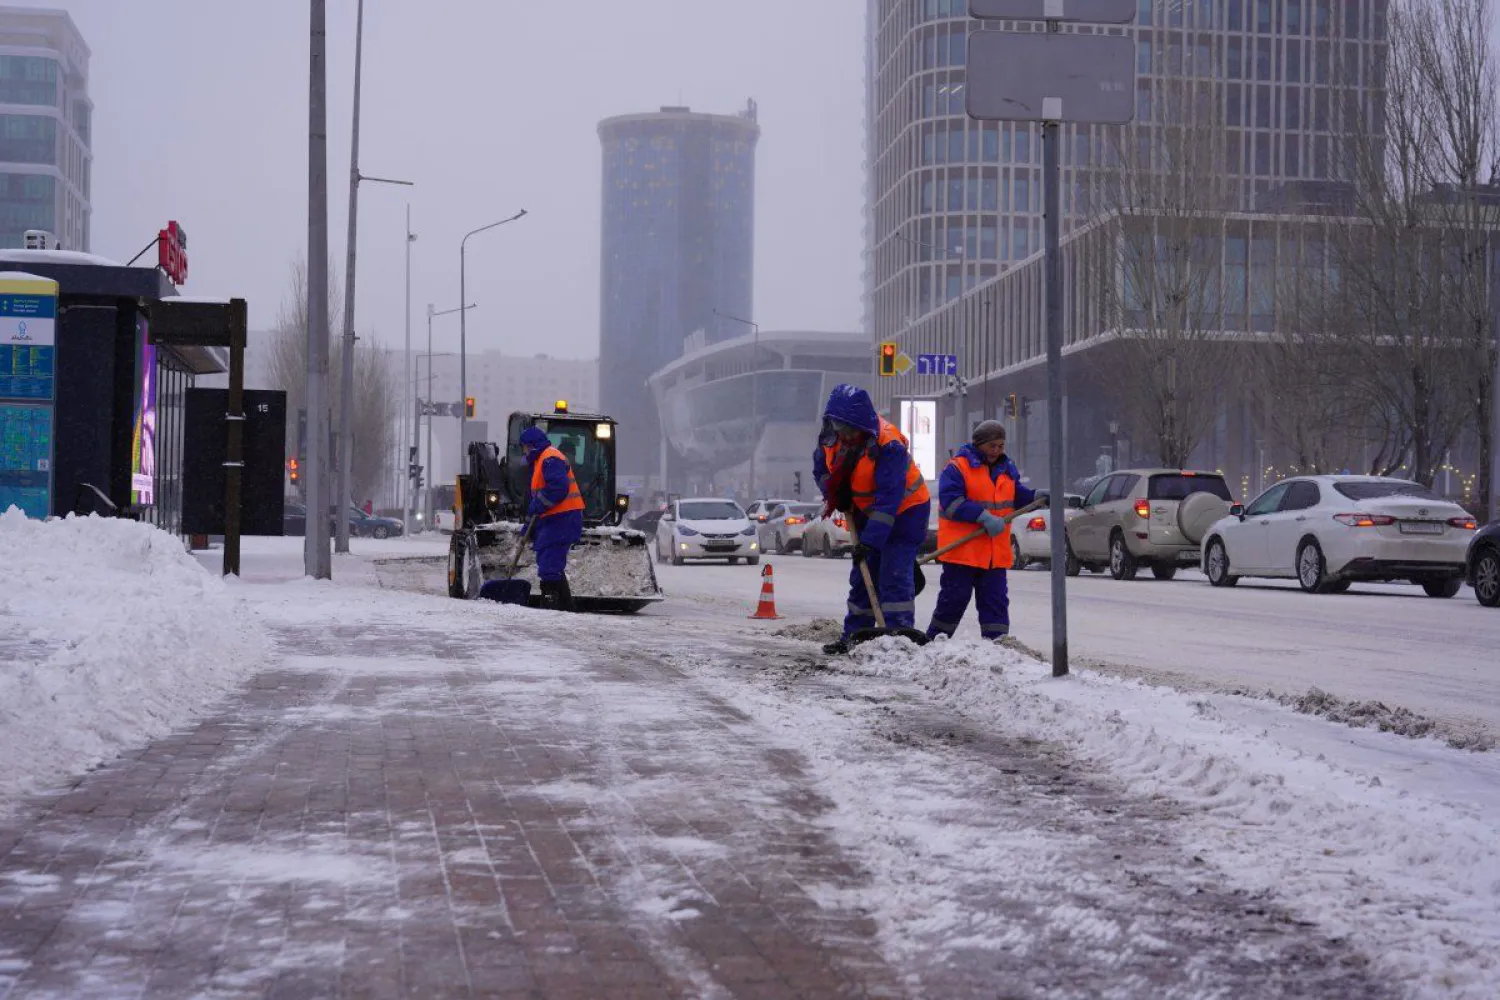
[(45, 125), (678, 244)]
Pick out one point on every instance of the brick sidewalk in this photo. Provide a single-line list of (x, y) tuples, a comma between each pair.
[(396, 826)]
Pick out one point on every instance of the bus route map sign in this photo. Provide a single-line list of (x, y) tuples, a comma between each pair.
[(28, 368)]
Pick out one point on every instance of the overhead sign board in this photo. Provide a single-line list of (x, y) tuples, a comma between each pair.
[(1097, 11), (1050, 76), (937, 364)]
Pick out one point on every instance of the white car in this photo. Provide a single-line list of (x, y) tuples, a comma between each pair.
[(826, 536), (1030, 540), (1329, 531), (706, 528)]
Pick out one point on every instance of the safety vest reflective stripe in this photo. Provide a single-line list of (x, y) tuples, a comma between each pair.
[(574, 499)]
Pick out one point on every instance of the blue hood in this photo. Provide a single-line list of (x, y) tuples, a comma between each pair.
[(534, 439), (970, 453), (851, 405)]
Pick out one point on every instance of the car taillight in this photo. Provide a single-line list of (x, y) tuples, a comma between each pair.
[(1143, 509), (1037, 524), (838, 521), (796, 520), (1364, 520), (1465, 523)]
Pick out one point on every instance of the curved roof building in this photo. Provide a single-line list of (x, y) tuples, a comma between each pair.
[(753, 395)]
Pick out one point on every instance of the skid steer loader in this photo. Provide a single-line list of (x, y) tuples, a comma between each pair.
[(609, 569)]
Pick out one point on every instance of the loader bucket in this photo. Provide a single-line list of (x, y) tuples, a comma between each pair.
[(609, 569)]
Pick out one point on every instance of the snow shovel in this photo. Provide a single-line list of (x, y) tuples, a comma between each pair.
[(510, 590), (1007, 518), (866, 634)]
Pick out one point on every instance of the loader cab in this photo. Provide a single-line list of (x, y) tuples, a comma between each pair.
[(587, 441)]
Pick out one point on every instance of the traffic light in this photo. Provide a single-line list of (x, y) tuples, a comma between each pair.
[(469, 407), (293, 470), (414, 473), (1012, 405), (888, 357), (797, 483)]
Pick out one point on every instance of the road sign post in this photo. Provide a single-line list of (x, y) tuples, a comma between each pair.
[(1051, 78)]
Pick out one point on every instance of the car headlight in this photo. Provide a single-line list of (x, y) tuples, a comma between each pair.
[(684, 530), (749, 531)]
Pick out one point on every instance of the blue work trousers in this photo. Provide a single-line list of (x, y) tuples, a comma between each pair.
[(551, 539), (893, 568), (991, 593)]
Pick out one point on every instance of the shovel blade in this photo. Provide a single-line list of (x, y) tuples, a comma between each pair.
[(866, 634), (506, 591)]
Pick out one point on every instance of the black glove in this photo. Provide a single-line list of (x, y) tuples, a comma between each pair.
[(861, 553)]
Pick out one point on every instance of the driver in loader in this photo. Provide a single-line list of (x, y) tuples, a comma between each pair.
[(556, 512)]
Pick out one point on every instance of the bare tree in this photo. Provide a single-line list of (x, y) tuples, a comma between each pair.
[(1166, 189), (1411, 270), (376, 383)]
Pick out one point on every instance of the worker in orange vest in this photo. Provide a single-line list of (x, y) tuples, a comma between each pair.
[(865, 468), (556, 509), (977, 489)]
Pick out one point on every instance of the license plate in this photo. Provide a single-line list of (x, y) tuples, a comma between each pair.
[(719, 545), (1421, 528)]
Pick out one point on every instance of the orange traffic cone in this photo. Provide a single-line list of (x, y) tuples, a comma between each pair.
[(767, 606)]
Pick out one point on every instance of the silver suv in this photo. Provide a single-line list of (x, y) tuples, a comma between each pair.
[(1145, 517)]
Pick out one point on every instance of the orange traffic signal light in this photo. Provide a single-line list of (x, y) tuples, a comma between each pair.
[(888, 357), (294, 470), (469, 407)]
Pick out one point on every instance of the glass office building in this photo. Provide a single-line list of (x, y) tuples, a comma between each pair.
[(45, 122), (677, 254)]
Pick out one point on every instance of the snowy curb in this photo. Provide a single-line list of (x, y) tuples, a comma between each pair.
[(110, 634)]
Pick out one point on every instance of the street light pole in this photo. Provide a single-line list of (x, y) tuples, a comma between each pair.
[(316, 561), (346, 380), (463, 331), (754, 396), (410, 493)]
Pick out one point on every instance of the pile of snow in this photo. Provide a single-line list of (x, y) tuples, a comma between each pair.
[(1384, 839), (110, 634)]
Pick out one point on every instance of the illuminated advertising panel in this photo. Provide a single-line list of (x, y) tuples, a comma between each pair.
[(143, 439), (28, 338)]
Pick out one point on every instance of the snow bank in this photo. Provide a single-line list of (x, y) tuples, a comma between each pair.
[(110, 634), (1390, 843)]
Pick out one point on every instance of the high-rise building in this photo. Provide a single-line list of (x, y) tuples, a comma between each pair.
[(45, 122), (677, 254), (954, 206)]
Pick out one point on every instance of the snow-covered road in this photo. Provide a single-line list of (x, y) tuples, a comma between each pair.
[(1387, 643)]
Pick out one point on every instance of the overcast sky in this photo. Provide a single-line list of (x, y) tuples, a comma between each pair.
[(490, 106)]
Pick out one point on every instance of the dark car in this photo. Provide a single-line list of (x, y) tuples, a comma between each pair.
[(364, 525), (294, 519), (1483, 565)]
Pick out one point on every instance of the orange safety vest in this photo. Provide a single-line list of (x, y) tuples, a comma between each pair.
[(998, 496), (574, 499), (862, 482)]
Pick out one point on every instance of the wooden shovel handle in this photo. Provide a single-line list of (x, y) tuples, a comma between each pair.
[(864, 572), (1008, 518)]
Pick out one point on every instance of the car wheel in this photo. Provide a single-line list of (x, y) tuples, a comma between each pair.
[(1217, 565), (733, 560), (1071, 565), (752, 560), (1017, 561), (1487, 579), (1442, 588), (1312, 569), (827, 548), (807, 549), (677, 559), (1336, 587), (381, 531), (1122, 565), (1162, 572)]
